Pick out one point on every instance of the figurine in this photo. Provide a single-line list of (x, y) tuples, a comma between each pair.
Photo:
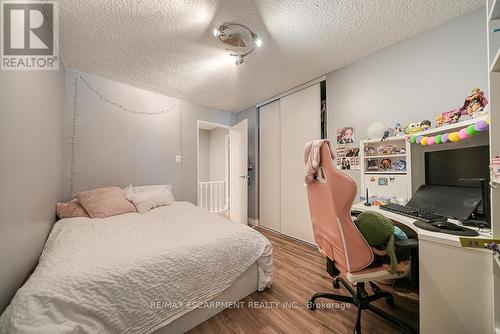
[(398, 130), (386, 134), (474, 104), (381, 150), (372, 165), (412, 128), (402, 151), (425, 125), (399, 165), (369, 150), (449, 117), (385, 164)]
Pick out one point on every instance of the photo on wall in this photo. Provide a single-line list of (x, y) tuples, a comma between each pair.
[(348, 157), (345, 135)]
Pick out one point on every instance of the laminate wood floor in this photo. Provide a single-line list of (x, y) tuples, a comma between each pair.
[(298, 273)]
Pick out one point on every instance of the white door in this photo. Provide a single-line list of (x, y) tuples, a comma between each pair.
[(238, 166), (300, 123), (269, 166)]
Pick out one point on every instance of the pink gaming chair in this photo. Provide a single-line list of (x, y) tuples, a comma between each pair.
[(330, 196)]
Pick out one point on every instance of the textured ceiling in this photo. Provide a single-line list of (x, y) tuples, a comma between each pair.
[(168, 47)]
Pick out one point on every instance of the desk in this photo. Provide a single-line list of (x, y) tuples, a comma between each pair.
[(456, 289)]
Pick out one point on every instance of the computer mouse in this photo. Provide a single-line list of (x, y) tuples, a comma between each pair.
[(446, 226)]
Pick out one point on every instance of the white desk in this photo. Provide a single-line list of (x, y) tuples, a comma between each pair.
[(456, 289)]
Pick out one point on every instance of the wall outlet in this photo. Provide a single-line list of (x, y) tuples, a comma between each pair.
[(178, 159)]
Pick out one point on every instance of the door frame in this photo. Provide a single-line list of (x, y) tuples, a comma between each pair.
[(198, 123)]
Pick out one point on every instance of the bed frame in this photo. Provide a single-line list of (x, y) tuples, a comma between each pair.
[(244, 285)]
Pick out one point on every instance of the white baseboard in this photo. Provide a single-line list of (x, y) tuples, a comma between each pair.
[(253, 222)]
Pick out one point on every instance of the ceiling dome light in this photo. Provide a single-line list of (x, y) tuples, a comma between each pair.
[(237, 39)]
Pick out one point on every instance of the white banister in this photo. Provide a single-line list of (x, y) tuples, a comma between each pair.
[(212, 196)]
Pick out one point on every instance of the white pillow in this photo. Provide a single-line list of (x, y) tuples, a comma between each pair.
[(147, 200), (130, 190)]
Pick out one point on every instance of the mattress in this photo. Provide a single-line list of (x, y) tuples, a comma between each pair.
[(134, 273)]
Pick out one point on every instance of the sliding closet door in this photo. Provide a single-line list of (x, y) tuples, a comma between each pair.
[(300, 123), (270, 161)]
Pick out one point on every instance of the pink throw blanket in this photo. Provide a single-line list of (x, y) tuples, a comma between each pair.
[(312, 157)]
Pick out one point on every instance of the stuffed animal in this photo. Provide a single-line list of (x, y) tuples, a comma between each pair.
[(425, 125), (412, 128), (474, 104), (448, 117), (369, 150)]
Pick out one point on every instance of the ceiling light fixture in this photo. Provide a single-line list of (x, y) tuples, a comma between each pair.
[(237, 39)]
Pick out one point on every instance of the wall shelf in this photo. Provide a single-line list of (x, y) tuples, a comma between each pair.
[(386, 172), (385, 156), (451, 127)]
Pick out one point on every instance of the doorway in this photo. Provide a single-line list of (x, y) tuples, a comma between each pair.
[(222, 169)]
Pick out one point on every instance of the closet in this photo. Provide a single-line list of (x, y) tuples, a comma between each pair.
[(285, 125)]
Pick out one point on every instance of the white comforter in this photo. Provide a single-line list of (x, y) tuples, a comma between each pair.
[(108, 275)]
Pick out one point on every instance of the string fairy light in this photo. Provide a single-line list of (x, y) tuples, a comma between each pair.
[(74, 121)]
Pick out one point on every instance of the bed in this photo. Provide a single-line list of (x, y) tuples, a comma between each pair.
[(139, 273)]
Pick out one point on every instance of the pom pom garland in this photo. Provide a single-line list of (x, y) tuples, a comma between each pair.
[(438, 139), (463, 134), (453, 137)]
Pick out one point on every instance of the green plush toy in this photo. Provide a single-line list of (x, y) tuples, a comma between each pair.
[(378, 230)]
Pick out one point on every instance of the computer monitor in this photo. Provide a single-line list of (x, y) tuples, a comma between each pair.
[(449, 171), (446, 168)]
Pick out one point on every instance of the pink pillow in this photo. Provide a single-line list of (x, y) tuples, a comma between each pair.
[(70, 209), (105, 202)]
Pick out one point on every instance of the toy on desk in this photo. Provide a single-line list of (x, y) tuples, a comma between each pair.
[(385, 164), (474, 104), (448, 117), (425, 125), (386, 135), (412, 128)]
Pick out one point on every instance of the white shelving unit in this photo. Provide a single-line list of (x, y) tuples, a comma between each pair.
[(390, 183)]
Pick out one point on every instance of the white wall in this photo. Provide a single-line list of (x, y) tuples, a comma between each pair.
[(251, 115), (416, 79), (31, 169), (114, 147)]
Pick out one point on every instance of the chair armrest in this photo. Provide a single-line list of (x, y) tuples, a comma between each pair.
[(407, 243)]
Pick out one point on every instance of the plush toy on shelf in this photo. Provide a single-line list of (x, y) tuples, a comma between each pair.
[(474, 104), (425, 125), (399, 165), (398, 130), (448, 117), (385, 164), (412, 128)]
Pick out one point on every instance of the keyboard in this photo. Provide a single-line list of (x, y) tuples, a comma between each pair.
[(408, 211)]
